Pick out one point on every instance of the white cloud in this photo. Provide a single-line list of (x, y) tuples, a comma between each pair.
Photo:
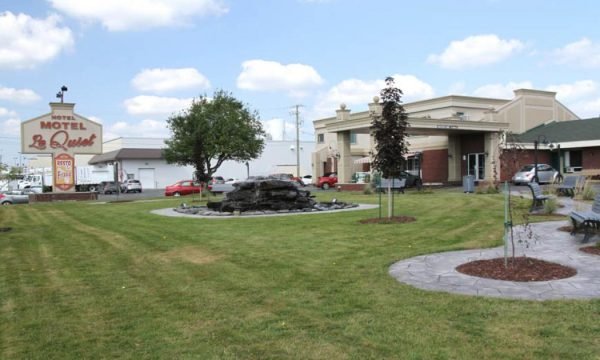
[(275, 128), (361, 92), (582, 53), (574, 91), (119, 15), (10, 127), (587, 108), (18, 95), (476, 50), (155, 105), (164, 80), (26, 42), (145, 128), (457, 88), (273, 76), (501, 91), (5, 112)]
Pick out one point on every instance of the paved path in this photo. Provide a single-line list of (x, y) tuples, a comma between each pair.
[(437, 272)]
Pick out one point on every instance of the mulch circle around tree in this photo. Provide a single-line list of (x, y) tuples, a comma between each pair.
[(518, 269), (569, 228), (594, 249), (5, 229), (401, 219)]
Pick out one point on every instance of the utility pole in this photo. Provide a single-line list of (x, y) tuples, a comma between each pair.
[(297, 113)]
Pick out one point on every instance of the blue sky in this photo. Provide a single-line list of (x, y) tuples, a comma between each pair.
[(130, 64)]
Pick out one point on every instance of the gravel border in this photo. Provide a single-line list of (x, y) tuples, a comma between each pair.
[(171, 212)]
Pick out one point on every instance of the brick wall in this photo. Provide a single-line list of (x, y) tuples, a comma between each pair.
[(76, 196), (590, 158), (512, 162), (435, 166)]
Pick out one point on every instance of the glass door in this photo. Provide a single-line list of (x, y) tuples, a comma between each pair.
[(476, 165)]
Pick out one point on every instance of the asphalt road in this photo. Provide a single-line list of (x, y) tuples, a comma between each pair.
[(146, 194), (160, 193)]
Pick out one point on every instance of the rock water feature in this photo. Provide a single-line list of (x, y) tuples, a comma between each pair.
[(264, 197)]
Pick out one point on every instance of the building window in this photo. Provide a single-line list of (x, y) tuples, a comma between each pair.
[(352, 138), (413, 164), (320, 138), (461, 115), (573, 160)]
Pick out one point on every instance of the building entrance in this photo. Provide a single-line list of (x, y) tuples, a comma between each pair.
[(476, 165)]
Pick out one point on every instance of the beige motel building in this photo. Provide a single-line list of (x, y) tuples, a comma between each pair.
[(449, 136)]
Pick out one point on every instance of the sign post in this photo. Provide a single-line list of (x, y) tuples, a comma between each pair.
[(62, 134)]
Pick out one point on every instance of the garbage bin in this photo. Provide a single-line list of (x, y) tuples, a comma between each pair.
[(469, 183)]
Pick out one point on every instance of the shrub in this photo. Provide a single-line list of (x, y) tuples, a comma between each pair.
[(550, 206), (493, 190), (588, 192), (486, 187), (367, 189)]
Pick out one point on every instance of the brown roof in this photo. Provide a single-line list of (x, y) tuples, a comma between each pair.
[(127, 154)]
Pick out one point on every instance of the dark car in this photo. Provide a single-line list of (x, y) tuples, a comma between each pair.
[(412, 180), (287, 177), (109, 187)]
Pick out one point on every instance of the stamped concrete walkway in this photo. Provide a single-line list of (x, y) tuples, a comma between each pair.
[(437, 272)]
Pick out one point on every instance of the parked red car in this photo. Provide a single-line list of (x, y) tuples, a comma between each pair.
[(327, 181), (183, 187)]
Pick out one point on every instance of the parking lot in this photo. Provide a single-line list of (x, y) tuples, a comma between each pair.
[(148, 193)]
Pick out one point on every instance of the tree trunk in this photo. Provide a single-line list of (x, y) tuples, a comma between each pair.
[(389, 191)]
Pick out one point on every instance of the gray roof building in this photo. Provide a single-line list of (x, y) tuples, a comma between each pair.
[(564, 132), (127, 154)]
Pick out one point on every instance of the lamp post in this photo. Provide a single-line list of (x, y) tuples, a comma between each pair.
[(61, 94)]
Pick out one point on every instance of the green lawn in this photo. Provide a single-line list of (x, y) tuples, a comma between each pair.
[(82, 280)]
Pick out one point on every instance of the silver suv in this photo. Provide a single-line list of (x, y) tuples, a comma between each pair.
[(131, 185)]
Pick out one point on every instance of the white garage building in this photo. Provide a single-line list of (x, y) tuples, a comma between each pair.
[(142, 159)]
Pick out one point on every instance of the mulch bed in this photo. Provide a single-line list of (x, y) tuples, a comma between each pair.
[(519, 269), (385, 220), (569, 228), (594, 249)]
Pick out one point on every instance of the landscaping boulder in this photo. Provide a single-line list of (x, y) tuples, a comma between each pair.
[(263, 195)]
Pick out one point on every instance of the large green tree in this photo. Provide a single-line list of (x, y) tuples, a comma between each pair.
[(389, 132), (211, 131)]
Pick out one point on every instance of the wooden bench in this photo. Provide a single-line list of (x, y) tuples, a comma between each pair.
[(396, 184), (590, 172), (538, 197), (571, 185), (589, 220)]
